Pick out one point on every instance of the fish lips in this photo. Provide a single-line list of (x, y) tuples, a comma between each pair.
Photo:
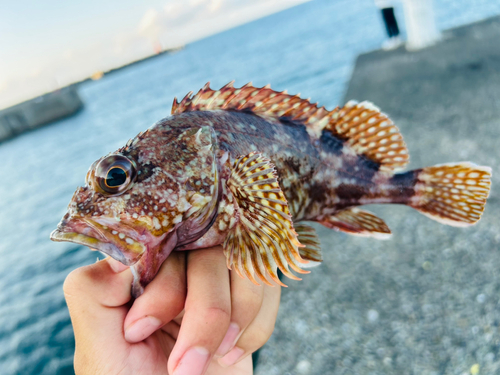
[(94, 235)]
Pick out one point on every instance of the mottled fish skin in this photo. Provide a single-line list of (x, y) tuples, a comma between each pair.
[(240, 166), (164, 208), (316, 179)]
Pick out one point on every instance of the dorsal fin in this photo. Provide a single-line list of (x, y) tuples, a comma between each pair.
[(260, 100), (365, 129)]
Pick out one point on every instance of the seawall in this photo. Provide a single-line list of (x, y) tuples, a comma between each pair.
[(39, 111)]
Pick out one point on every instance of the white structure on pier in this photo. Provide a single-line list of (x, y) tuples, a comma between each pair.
[(420, 24)]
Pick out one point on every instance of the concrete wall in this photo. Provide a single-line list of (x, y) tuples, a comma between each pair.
[(39, 111)]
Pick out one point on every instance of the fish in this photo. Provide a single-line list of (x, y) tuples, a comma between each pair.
[(247, 168)]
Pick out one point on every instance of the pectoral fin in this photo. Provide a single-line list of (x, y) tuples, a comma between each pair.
[(357, 222), (263, 239)]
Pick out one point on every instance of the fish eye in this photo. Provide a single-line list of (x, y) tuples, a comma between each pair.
[(116, 177), (113, 175)]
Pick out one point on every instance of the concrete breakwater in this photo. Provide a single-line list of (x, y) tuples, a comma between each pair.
[(55, 105), (39, 111)]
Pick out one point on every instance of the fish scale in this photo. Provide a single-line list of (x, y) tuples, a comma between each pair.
[(247, 168)]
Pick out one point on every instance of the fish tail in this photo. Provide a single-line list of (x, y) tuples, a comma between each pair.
[(452, 194)]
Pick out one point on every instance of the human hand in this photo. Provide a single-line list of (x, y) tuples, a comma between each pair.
[(186, 322)]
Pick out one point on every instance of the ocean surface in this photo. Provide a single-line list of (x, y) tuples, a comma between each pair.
[(309, 49)]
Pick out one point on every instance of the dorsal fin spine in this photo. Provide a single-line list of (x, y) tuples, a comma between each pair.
[(364, 128)]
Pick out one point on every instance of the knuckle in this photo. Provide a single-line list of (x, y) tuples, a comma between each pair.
[(249, 300), (170, 293), (211, 255), (245, 308), (255, 337), (73, 281), (252, 292), (177, 302), (79, 279), (218, 314)]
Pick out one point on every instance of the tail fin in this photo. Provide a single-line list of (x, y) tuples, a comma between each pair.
[(453, 194)]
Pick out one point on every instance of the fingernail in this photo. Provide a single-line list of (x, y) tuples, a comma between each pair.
[(116, 266), (193, 362), (229, 340), (232, 357), (142, 328)]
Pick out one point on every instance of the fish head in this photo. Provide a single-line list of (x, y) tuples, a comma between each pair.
[(158, 192)]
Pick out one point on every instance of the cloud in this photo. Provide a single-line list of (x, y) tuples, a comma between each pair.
[(176, 23), (155, 24), (151, 23), (180, 22), (68, 54)]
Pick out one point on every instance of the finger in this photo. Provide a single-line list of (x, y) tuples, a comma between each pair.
[(207, 312), (167, 336), (246, 301), (259, 331), (243, 367), (96, 296), (162, 300), (172, 329), (104, 282)]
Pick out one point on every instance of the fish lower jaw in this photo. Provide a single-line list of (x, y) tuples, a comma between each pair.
[(105, 247), (148, 266)]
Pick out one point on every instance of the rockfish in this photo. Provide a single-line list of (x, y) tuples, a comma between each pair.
[(245, 167)]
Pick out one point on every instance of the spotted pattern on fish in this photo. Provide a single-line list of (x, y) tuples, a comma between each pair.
[(245, 167)]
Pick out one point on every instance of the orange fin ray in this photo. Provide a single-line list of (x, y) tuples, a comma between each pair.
[(264, 239), (357, 222), (453, 194), (260, 100), (371, 133), (365, 129)]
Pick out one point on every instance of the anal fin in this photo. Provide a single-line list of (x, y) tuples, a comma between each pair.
[(309, 238), (357, 222)]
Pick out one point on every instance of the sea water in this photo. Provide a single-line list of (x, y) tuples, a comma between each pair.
[(309, 49)]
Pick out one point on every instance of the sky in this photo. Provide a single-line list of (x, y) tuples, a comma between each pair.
[(47, 44)]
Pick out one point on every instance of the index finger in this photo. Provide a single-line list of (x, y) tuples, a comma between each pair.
[(207, 312), (161, 301)]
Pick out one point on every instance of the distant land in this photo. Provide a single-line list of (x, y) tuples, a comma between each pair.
[(54, 105), (99, 74)]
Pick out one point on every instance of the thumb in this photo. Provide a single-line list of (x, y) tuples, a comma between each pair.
[(96, 296)]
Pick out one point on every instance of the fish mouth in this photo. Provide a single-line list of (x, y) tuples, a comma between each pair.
[(127, 250)]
